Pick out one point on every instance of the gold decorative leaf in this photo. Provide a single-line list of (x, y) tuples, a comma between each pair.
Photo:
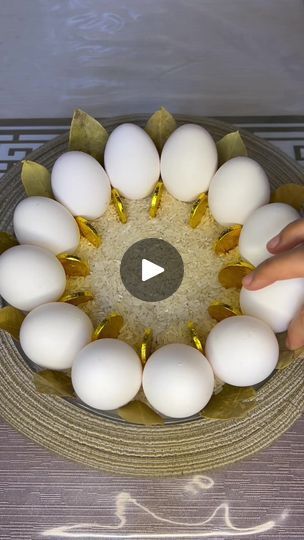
[(160, 126), (198, 210), (146, 345), (77, 298), (156, 198), (138, 412), (231, 402), (87, 135), (53, 383), (119, 206), (220, 311), (228, 240), (287, 357), (73, 266), (230, 146), (292, 194), (6, 241), (11, 320), (197, 342), (36, 179), (110, 327), (88, 231), (232, 274)]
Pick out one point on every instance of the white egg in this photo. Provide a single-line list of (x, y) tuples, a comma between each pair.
[(242, 350), (81, 184), (46, 223), (261, 226), (188, 162), (178, 380), (30, 276), (236, 190), (52, 334), (132, 161), (276, 304), (106, 374)]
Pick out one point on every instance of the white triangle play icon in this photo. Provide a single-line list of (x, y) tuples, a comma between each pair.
[(150, 270)]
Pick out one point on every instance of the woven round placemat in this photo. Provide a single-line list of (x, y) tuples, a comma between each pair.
[(170, 450)]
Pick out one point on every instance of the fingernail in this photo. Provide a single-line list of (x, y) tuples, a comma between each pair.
[(274, 242), (247, 280)]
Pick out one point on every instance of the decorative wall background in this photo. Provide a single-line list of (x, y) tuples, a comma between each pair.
[(209, 57)]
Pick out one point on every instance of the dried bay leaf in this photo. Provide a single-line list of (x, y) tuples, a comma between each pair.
[(73, 266), (146, 345), (11, 320), (6, 241), (228, 240), (230, 146), (88, 231), (138, 412), (232, 402), (198, 210), (36, 179), (156, 198), (110, 327), (119, 206), (77, 298), (232, 274), (287, 357), (292, 194), (53, 383), (220, 311), (87, 135), (160, 126)]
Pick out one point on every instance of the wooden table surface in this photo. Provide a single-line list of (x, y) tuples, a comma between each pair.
[(45, 496)]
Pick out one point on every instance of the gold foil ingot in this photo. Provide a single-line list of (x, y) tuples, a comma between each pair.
[(119, 206), (73, 266), (76, 298), (110, 327), (146, 345), (156, 198), (88, 231), (198, 210), (231, 276), (194, 336), (228, 240), (220, 311)]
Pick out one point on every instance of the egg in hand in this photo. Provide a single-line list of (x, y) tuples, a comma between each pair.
[(260, 227)]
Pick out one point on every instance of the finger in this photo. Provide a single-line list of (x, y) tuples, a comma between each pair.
[(290, 237), (284, 266), (295, 338)]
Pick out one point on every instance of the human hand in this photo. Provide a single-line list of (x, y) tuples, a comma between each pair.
[(287, 263)]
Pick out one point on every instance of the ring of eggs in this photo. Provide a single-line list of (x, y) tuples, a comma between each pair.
[(178, 380)]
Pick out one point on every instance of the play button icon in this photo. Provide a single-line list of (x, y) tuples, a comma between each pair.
[(152, 270)]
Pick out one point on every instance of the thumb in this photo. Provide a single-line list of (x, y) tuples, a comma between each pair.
[(295, 338)]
